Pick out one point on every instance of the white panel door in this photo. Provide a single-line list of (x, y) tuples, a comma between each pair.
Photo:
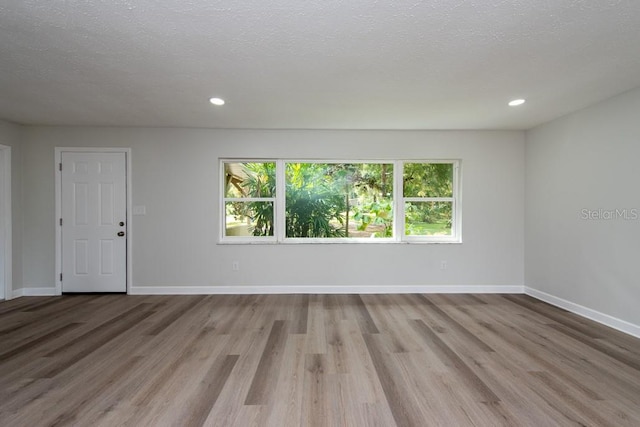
[(94, 222)]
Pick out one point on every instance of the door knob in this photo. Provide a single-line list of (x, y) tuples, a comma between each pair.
[(121, 223), (120, 233)]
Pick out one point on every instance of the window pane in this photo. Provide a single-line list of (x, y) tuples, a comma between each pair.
[(428, 180), (250, 179), (428, 218), (329, 200), (249, 219)]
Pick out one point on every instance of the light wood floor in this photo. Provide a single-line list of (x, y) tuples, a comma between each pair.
[(329, 360)]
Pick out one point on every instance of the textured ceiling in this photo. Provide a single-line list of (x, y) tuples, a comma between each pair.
[(330, 64)]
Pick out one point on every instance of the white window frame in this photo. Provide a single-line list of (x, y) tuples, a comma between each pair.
[(456, 220), (223, 208), (279, 209)]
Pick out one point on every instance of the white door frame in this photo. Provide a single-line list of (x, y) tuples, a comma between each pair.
[(6, 220), (58, 161)]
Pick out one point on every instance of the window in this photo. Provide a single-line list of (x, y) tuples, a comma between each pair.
[(339, 200), (249, 199), (429, 204), (329, 201)]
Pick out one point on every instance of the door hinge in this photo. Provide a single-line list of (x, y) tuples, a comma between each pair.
[(61, 277), (60, 166), (60, 221)]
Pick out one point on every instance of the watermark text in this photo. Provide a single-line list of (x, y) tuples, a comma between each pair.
[(609, 214)]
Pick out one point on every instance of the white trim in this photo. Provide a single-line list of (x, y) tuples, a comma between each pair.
[(279, 211), (251, 240), (339, 240), (322, 289), (129, 186), (596, 316), (455, 200), (34, 292), (7, 221), (398, 207)]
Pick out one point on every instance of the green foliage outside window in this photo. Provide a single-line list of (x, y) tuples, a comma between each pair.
[(338, 200), (250, 180), (426, 181)]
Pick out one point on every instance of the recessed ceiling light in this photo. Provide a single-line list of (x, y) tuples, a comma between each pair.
[(516, 102), (216, 101)]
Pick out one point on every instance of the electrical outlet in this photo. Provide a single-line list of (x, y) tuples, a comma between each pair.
[(235, 265), (443, 265)]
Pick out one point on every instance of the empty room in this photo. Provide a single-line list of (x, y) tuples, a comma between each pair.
[(341, 213)]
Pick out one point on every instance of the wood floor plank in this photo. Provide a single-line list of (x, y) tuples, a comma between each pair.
[(25, 305), (448, 356), (237, 313), (249, 344), (316, 332), (210, 388), (597, 368), (391, 321), (50, 336), (315, 406), (70, 353), (580, 409), (300, 360), (93, 392), (103, 326), (376, 415), (396, 394), (433, 392), (523, 349), (299, 314), (337, 352), (362, 315), (174, 315), (343, 404), (34, 319), (554, 314), (630, 360), (267, 371), (449, 320), (167, 369), (287, 407)]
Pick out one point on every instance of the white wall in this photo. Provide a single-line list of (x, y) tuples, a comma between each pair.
[(175, 175), (10, 134), (587, 160)]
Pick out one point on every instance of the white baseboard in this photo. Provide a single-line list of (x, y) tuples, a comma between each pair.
[(596, 316), (326, 289), (34, 292)]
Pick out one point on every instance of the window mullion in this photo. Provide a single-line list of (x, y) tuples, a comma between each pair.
[(398, 201), (279, 207), (223, 206), (457, 214)]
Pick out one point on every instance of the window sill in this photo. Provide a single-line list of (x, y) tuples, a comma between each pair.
[(339, 242)]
